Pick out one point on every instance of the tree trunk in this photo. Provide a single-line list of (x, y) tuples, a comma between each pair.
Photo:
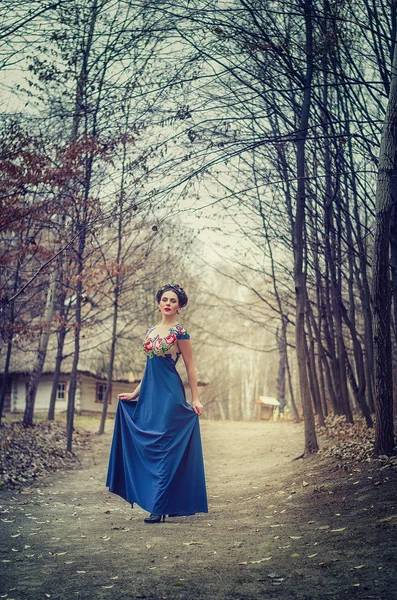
[(5, 376), (112, 355), (331, 188), (79, 293), (117, 285), (11, 322), (291, 400), (41, 351), (317, 337), (329, 338), (80, 109), (282, 352), (330, 383), (311, 444), (393, 256), (335, 292), (359, 390), (77, 329), (386, 198), (361, 278), (314, 386), (368, 340), (358, 394), (347, 411), (57, 372)]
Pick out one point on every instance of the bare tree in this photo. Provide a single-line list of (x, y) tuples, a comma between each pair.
[(386, 198)]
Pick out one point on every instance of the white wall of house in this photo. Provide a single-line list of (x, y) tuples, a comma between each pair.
[(19, 387), (92, 390), (89, 393), (14, 395)]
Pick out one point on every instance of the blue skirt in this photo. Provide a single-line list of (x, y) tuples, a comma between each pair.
[(156, 458)]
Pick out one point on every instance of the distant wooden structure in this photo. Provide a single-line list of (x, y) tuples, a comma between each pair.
[(269, 408)]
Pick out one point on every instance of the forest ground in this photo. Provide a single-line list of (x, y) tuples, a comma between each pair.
[(277, 528)]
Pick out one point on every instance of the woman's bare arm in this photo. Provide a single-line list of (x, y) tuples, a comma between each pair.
[(132, 396), (185, 348)]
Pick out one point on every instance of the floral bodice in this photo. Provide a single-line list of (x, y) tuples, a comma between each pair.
[(160, 346)]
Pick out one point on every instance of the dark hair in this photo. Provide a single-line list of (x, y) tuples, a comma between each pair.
[(173, 287)]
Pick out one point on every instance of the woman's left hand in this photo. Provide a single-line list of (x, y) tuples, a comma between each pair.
[(197, 407)]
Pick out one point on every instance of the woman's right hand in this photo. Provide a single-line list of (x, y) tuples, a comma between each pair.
[(126, 397)]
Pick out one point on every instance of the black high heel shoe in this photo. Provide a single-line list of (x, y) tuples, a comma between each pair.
[(154, 518)]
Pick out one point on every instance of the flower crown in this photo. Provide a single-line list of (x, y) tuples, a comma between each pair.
[(173, 286)]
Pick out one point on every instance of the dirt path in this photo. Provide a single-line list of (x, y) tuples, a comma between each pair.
[(277, 529)]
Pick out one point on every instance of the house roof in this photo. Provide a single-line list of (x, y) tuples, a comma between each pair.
[(128, 367), (93, 358), (267, 401)]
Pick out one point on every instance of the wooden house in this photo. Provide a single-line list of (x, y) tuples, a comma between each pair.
[(268, 408), (89, 394)]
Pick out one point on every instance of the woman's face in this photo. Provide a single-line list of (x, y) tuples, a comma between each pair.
[(169, 303)]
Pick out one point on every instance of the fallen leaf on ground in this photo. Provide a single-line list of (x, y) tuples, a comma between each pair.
[(350, 443), (255, 562), (46, 442), (386, 519), (192, 543)]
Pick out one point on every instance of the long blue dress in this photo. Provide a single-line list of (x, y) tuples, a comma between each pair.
[(156, 458)]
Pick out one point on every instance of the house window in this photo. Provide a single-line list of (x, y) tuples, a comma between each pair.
[(100, 393), (7, 397), (61, 391)]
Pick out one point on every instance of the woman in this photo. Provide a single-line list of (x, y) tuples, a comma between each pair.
[(156, 458)]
